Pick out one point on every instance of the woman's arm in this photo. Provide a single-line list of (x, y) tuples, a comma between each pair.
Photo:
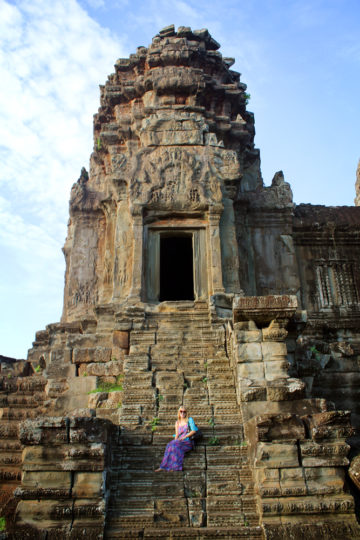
[(193, 428)]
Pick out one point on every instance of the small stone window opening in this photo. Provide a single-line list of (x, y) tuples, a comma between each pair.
[(336, 284), (176, 267)]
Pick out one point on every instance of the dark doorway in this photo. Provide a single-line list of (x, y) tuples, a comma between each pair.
[(176, 268)]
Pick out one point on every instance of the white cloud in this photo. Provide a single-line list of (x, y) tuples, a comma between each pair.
[(52, 58)]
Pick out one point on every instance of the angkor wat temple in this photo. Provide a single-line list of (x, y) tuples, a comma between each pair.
[(189, 282)]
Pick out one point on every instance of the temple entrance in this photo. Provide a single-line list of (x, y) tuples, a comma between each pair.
[(176, 268)]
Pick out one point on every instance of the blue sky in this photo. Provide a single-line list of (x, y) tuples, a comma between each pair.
[(300, 60)]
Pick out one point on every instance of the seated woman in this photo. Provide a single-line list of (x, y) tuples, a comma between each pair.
[(175, 450)]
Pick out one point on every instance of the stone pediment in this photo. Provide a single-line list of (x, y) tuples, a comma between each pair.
[(181, 178)]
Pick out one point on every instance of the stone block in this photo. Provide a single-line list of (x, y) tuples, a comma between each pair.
[(312, 527), (276, 455), (121, 339), (172, 510), (330, 425), (292, 482), (46, 479), (47, 431), (324, 480), (273, 351), (253, 393), (195, 483), (276, 369), (275, 331), (90, 355), (249, 352), (88, 485), (327, 454), (55, 387), (88, 430), (196, 512), (89, 508), (264, 308), (68, 457), (354, 471), (88, 528), (109, 369), (247, 332), (83, 341), (97, 400), (268, 482), (44, 514), (276, 427), (291, 506), (251, 370), (285, 390), (60, 364)]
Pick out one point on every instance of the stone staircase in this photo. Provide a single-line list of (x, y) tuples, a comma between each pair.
[(179, 358), (21, 398)]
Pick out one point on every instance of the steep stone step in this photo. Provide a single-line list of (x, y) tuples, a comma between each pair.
[(17, 401), (184, 364), (10, 458), (8, 445), (9, 429), (10, 474), (17, 414), (205, 533)]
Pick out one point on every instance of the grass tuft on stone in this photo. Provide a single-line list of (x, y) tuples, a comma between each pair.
[(107, 387)]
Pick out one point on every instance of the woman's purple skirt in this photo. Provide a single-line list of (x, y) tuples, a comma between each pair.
[(174, 455)]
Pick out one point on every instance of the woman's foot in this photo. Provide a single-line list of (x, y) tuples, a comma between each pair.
[(158, 470)]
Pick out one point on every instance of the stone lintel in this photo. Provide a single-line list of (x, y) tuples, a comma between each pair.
[(264, 309)]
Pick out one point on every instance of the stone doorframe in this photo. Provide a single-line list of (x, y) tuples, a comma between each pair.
[(205, 233)]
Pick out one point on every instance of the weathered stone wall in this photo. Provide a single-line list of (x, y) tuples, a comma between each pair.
[(327, 242), (63, 486), (297, 445), (264, 237)]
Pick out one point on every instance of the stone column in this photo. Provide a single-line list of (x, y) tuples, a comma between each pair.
[(216, 285), (138, 228)]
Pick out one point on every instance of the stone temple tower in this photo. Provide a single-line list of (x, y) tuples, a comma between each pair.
[(188, 282), (155, 219)]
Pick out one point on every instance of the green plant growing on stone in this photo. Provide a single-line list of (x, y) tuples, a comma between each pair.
[(206, 364), (107, 387), (204, 380), (240, 443), (2, 524), (154, 423), (9, 375), (214, 441), (85, 374), (98, 143), (247, 97), (159, 398), (211, 422), (315, 352), (186, 385), (246, 523), (119, 405), (37, 369)]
